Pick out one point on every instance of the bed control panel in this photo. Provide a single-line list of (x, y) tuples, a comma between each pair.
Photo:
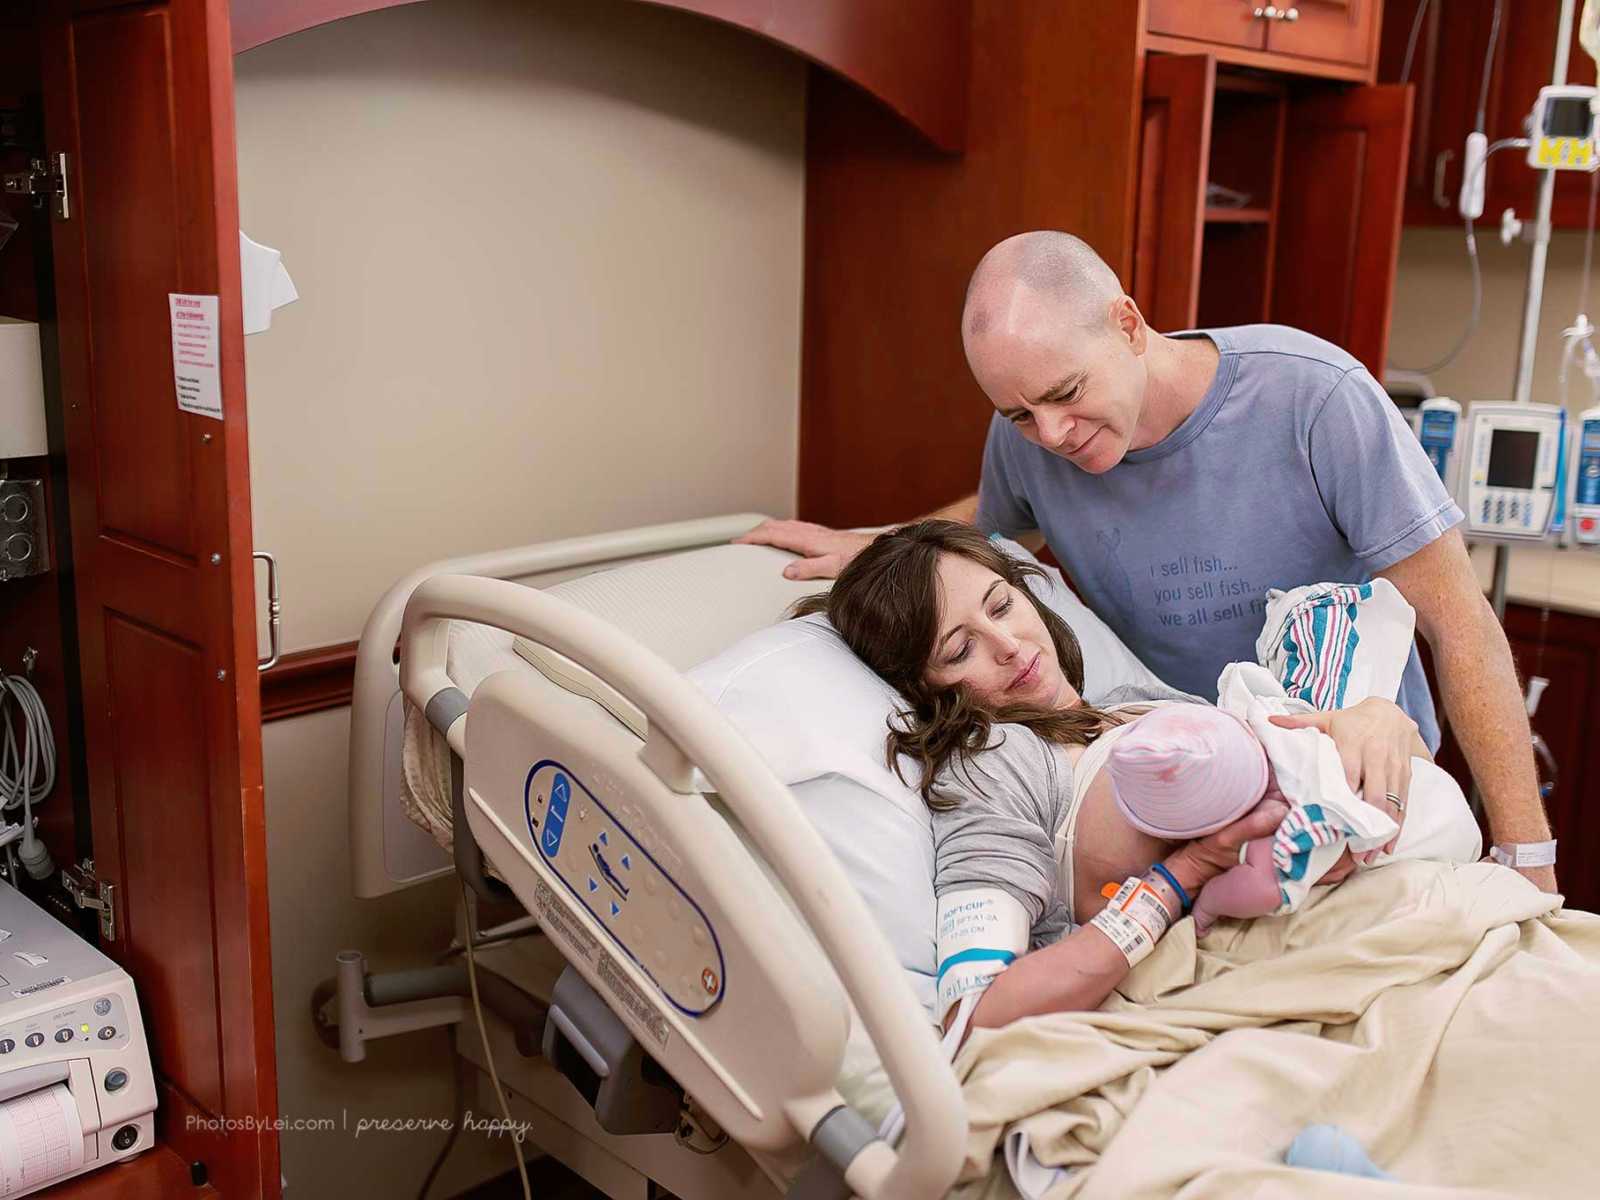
[(655, 922)]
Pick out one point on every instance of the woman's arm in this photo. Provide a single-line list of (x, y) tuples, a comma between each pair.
[(1079, 972)]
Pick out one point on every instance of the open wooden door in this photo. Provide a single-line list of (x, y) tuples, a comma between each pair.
[(139, 96), (1174, 150), (1339, 213)]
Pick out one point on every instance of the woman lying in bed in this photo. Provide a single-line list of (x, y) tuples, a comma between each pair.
[(1027, 828)]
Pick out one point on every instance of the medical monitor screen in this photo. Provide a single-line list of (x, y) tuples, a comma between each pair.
[(1567, 117), (1513, 454)]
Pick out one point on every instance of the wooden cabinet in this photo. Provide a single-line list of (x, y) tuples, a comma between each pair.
[(1337, 38), (891, 422), (1176, 132), (1220, 22), (1341, 31), (158, 632), (1078, 120), (1338, 237), (1565, 649), (1304, 228), (1447, 71)]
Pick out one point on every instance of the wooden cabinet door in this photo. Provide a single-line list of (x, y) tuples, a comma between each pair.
[(1447, 68), (1344, 31), (1225, 22), (1567, 653), (1565, 649), (1446, 73), (1174, 149), (1526, 55), (1338, 233), (140, 98)]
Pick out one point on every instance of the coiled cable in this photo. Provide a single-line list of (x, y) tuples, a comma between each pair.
[(27, 766)]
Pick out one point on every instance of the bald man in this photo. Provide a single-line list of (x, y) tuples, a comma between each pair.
[(1178, 476)]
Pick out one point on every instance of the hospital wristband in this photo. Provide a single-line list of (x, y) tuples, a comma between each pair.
[(1171, 881), (1524, 854), (1134, 920)]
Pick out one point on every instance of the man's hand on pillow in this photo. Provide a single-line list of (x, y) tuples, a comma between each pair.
[(1376, 741), (826, 551)]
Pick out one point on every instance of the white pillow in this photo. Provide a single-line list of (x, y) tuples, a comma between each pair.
[(820, 718)]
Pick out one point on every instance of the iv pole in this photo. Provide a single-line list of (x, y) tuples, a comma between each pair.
[(1532, 301), (1534, 298)]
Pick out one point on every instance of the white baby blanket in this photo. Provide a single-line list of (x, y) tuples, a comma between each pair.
[(1332, 646)]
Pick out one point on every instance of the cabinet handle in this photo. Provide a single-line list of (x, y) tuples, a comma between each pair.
[(1441, 163), (1291, 14), (1269, 13), (274, 611)]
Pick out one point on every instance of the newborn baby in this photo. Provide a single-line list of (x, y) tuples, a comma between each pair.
[(1182, 771), (1186, 770)]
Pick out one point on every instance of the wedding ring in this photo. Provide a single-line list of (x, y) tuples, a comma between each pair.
[(1399, 804)]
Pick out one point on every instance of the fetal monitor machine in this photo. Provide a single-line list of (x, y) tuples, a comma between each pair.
[(1512, 472), (76, 1087)]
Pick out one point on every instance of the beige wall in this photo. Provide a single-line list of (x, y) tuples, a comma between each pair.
[(549, 254), (1433, 297), (550, 259)]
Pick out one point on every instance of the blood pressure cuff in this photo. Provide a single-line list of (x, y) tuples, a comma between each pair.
[(981, 931)]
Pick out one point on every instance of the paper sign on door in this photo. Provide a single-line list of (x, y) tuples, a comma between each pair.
[(195, 351)]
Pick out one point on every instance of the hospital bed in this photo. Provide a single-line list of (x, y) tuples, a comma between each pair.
[(700, 974), (704, 982)]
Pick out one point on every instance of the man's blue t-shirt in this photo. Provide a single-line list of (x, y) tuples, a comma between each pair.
[(1296, 468)]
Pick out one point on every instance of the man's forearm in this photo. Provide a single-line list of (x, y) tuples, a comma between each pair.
[(1483, 700), (964, 509)]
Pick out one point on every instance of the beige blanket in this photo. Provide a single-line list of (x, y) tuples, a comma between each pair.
[(1448, 1017)]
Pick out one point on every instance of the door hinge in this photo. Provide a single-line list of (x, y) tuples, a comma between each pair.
[(89, 891), (44, 177)]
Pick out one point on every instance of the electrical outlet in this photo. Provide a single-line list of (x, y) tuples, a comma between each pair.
[(24, 538)]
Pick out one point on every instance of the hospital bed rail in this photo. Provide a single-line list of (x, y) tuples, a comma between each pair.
[(686, 731), (388, 852)]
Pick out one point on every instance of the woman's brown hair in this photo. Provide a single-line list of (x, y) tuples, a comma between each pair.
[(885, 605)]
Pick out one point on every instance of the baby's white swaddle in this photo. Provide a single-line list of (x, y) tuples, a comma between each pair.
[(1331, 646)]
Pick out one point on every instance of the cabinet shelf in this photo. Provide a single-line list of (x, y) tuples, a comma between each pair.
[(1237, 216)]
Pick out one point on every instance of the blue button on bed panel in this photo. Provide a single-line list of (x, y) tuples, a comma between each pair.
[(556, 822)]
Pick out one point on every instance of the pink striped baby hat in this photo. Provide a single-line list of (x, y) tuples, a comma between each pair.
[(1186, 770)]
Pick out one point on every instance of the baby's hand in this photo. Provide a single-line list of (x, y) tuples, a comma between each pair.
[(1342, 868), (1249, 889)]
